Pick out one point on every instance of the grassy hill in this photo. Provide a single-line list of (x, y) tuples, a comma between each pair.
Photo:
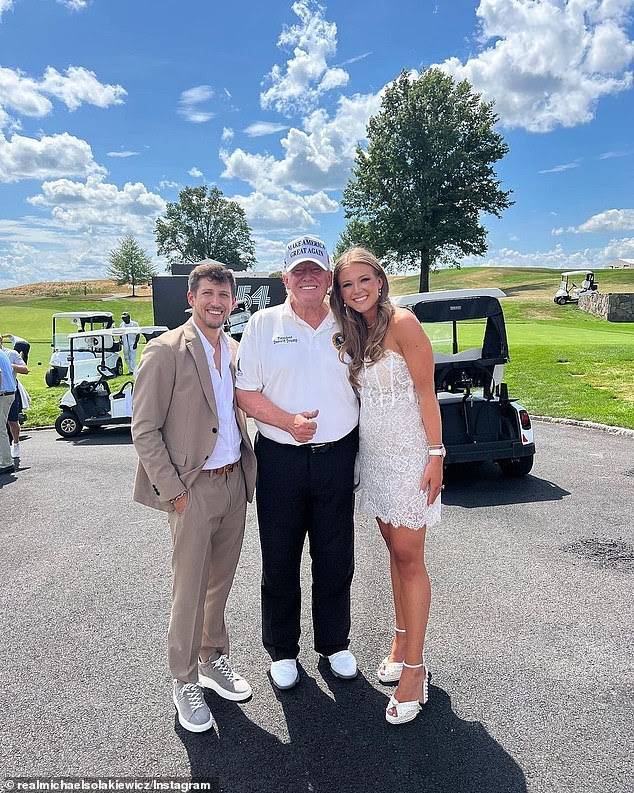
[(564, 362)]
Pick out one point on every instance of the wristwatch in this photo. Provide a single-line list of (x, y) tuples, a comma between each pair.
[(439, 451)]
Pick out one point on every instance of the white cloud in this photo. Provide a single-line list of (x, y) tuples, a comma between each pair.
[(285, 210), (608, 155), (5, 5), (78, 86), (227, 134), (122, 154), (619, 249), (319, 157), (560, 168), (307, 74), (95, 204), (355, 59), (548, 62), (26, 96), (195, 172), (188, 105), (260, 128), (46, 158), (166, 184), (74, 5), (269, 253), (610, 220), (556, 257)]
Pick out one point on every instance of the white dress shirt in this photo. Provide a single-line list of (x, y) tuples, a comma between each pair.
[(298, 368), (227, 448)]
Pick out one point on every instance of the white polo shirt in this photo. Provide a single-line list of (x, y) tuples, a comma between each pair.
[(297, 367)]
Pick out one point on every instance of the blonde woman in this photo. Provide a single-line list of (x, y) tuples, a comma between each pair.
[(391, 366)]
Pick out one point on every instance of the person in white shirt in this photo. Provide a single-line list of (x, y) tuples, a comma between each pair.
[(129, 342), (19, 345), (290, 380), (13, 418)]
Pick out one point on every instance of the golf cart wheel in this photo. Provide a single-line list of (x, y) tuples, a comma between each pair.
[(68, 425), (52, 377), (561, 301), (119, 367), (516, 468)]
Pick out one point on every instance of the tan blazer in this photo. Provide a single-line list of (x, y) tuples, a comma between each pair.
[(175, 420)]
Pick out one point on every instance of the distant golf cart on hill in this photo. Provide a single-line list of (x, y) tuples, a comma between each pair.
[(569, 292)]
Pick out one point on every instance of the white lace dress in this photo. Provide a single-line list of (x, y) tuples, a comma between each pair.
[(393, 448)]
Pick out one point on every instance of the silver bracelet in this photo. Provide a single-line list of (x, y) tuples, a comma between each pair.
[(180, 495), (437, 452)]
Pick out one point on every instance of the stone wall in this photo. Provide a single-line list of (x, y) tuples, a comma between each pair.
[(612, 306)]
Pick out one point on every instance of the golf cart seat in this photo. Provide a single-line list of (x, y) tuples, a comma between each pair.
[(122, 400)]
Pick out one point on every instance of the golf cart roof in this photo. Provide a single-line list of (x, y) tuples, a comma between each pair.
[(136, 331), (578, 272), (464, 304), (449, 294), (96, 315)]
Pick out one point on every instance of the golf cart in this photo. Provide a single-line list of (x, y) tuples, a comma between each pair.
[(237, 321), (80, 321), (569, 292), (479, 420), (89, 401)]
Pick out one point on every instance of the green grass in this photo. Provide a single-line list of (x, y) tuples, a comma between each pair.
[(564, 362)]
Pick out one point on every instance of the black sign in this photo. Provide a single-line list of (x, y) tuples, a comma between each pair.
[(169, 296)]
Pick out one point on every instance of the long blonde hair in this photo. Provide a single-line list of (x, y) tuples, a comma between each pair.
[(360, 343)]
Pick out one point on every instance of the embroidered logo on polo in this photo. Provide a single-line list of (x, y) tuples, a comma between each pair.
[(337, 340), (285, 340)]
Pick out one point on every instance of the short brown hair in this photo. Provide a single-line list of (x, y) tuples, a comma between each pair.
[(214, 271)]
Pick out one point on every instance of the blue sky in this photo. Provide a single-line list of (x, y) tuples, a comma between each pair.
[(109, 107)]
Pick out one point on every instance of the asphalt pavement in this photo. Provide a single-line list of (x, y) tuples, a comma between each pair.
[(530, 640)]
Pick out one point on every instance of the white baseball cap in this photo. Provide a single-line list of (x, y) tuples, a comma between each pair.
[(306, 249)]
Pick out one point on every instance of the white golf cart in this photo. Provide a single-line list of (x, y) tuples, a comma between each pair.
[(89, 401), (237, 321), (71, 322), (569, 292), (479, 420)]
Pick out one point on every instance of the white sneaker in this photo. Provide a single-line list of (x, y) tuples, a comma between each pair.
[(284, 673), (343, 664), (15, 450)]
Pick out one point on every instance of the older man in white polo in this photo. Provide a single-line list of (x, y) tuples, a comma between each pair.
[(290, 379)]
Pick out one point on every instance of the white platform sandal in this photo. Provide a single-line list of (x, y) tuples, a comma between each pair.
[(390, 671), (402, 712)]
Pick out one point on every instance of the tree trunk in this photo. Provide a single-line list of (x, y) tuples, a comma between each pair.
[(425, 264)]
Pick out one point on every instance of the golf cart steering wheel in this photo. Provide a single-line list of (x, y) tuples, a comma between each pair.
[(447, 380)]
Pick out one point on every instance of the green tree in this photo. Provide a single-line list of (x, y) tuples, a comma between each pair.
[(203, 224), (130, 264), (418, 190)]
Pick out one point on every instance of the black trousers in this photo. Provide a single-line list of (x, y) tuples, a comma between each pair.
[(302, 491), (23, 348)]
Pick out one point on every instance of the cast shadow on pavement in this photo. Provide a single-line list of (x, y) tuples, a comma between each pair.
[(104, 436), (484, 485), (342, 744)]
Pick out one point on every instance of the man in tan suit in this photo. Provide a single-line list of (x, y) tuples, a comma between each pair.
[(197, 464)]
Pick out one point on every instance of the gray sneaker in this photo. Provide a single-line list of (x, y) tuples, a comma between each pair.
[(219, 676), (193, 713)]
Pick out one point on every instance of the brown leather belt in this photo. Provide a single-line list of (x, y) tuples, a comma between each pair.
[(226, 469)]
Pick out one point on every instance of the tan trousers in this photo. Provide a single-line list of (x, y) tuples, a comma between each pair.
[(207, 539), (5, 447)]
